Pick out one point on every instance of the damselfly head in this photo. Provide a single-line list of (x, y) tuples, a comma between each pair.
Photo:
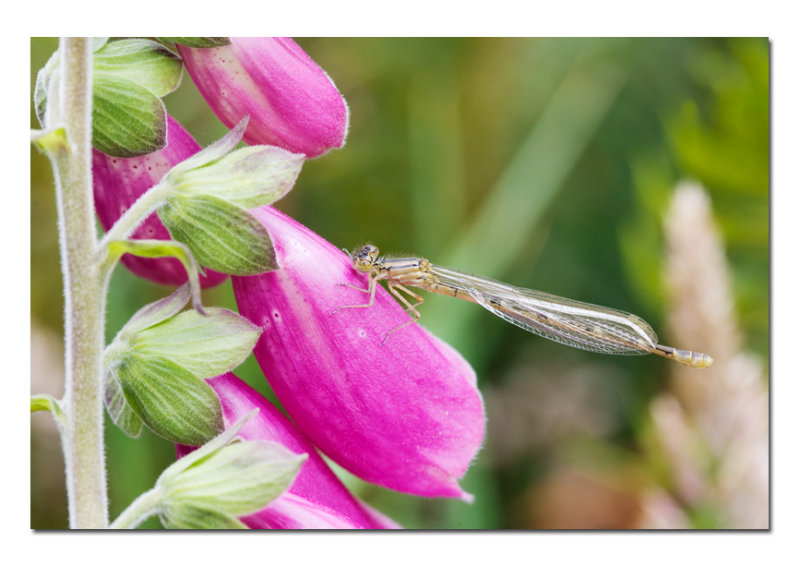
[(366, 257)]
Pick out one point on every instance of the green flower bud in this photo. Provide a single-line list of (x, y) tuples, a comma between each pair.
[(238, 479), (205, 345), (170, 400), (225, 479), (221, 235), (129, 78), (248, 177), (156, 365)]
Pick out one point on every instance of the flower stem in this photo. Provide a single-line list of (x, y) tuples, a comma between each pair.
[(136, 214), (84, 291), (144, 506)]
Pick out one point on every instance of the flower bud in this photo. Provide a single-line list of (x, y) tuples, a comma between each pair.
[(224, 479), (317, 499), (405, 414), (119, 182), (170, 400), (235, 480), (291, 101)]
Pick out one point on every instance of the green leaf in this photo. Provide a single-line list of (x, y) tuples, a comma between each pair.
[(197, 41), (205, 345), (186, 516), (128, 120), (142, 61), (51, 141), (45, 402), (42, 403), (120, 411), (171, 401), (222, 236)]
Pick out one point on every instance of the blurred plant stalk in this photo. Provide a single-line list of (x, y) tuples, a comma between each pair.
[(713, 429)]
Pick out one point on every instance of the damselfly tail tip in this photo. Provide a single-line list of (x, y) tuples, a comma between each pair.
[(685, 357), (699, 360)]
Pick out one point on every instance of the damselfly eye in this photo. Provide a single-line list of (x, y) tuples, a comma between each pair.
[(368, 252), (366, 256)]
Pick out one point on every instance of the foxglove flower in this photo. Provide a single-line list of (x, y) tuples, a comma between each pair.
[(291, 101), (120, 181), (317, 499), (405, 414)]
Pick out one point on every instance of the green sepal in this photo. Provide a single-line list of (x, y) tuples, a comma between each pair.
[(180, 515), (210, 193), (45, 85), (248, 177), (129, 77), (162, 248), (142, 61), (159, 311), (98, 43), (201, 42), (177, 512), (172, 402), (120, 411), (224, 438), (221, 235), (210, 153), (207, 345), (224, 479), (238, 479), (200, 345), (127, 119)]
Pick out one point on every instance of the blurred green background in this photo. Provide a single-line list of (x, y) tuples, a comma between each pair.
[(547, 163)]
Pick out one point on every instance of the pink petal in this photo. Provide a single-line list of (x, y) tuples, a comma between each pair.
[(291, 101), (120, 181), (293, 512), (405, 414), (316, 498)]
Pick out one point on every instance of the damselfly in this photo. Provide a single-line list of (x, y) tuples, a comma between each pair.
[(574, 323)]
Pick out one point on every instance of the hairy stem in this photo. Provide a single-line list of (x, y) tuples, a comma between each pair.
[(84, 292), (146, 505), (136, 214)]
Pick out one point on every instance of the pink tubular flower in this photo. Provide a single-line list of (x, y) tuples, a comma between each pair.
[(120, 181), (317, 499), (291, 101), (405, 414)]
